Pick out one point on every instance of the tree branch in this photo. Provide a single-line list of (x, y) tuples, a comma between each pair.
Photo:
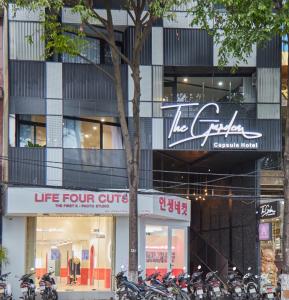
[(131, 15), (108, 40), (102, 20)]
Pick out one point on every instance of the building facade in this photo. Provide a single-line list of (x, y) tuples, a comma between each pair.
[(204, 134)]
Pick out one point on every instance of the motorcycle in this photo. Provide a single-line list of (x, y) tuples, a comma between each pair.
[(214, 286), (267, 290), (48, 287), (5, 288), (251, 285), (27, 287), (196, 284), (126, 289), (235, 285)]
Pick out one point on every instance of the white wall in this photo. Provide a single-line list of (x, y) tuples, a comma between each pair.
[(121, 243), (14, 239)]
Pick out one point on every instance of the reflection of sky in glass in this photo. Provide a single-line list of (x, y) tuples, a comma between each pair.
[(284, 45)]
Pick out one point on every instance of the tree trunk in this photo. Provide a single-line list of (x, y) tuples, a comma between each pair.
[(285, 267)]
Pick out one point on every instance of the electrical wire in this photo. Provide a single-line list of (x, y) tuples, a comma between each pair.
[(201, 184)]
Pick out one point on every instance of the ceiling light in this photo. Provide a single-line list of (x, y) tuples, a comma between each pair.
[(86, 135), (94, 127), (220, 83), (185, 79), (102, 120)]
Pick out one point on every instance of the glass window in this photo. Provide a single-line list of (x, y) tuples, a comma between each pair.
[(91, 50), (78, 249), (156, 248), (112, 137), (31, 131), (81, 134), (178, 251), (182, 89), (92, 133)]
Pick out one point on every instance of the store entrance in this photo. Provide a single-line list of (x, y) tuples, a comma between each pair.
[(78, 249), (165, 249)]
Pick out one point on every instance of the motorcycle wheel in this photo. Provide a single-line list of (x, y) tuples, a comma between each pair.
[(154, 296), (53, 295)]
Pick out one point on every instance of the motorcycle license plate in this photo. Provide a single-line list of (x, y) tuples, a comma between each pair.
[(216, 289), (252, 291), (238, 290), (200, 292), (24, 290), (270, 296)]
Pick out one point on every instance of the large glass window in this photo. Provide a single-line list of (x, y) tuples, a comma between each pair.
[(95, 50), (78, 249), (227, 89), (92, 133), (156, 248), (31, 131)]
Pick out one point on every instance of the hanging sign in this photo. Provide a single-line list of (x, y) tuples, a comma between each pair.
[(213, 127), (269, 210)]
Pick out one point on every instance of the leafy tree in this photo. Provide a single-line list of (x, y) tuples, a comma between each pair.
[(60, 38), (238, 25)]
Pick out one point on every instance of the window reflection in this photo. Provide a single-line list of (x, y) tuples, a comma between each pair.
[(92, 133), (226, 89), (31, 131)]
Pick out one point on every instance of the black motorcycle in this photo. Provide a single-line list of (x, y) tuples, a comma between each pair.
[(196, 285), (235, 285), (251, 287), (214, 286), (48, 287), (27, 287)]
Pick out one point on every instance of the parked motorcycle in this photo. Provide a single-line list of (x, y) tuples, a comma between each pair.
[(48, 287), (197, 285), (214, 286), (250, 282), (5, 287), (267, 290), (235, 285), (27, 286)]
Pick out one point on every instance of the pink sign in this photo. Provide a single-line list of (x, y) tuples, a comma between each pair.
[(265, 231)]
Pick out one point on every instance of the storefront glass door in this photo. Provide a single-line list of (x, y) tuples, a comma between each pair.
[(178, 259), (165, 249), (77, 249)]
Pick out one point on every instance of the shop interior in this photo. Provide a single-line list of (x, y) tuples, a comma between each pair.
[(78, 249)]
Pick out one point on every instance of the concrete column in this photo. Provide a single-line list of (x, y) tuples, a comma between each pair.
[(14, 240)]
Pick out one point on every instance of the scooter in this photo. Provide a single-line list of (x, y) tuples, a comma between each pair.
[(5, 287), (27, 287), (250, 282), (48, 287)]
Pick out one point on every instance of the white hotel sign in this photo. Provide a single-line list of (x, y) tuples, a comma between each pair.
[(214, 128)]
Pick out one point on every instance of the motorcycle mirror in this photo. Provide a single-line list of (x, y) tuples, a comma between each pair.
[(122, 267), (234, 268), (199, 267)]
